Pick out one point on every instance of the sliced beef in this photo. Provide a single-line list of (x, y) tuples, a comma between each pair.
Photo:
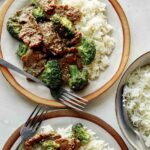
[(75, 40), (40, 137), (72, 13), (68, 144), (30, 33), (51, 40), (34, 62), (48, 6)]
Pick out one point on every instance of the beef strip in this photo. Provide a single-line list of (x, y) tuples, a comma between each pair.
[(40, 137), (51, 40), (30, 33), (68, 144), (75, 40), (72, 13), (48, 6), (34, 62)]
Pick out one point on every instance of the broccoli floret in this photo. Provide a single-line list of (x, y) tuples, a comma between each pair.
[(50, 145), (87, 51), (80, 133), (22, 50), (38, 13), (62, 25), (34, 2), (78, 80), (13, 27), (52, 76)]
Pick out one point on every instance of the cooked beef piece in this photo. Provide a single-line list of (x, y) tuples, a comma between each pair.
[(30, 33), (34, 62), (40, 137), (75, 40), (67, 60), (68, 144), (72, 13), (48, 5), (51, 40)]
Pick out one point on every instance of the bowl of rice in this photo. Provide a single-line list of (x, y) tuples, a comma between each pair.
[(133, 93)]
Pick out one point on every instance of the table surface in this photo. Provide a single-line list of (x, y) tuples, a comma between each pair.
[(15, 109)]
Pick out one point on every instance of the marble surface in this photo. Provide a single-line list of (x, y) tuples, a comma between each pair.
[(14, 109)]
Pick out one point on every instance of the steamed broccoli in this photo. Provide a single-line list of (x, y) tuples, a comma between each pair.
[(87, 51), (62, 25), (38, 13), (22, 50), (13, 27), (78, 80), (50, 145), (52, 76), (80, 133), (34, 2)]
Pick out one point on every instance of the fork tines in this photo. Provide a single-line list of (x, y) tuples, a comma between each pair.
[(72, 100), (35, 118)]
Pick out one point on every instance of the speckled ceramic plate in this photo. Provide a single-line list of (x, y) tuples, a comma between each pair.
[(40, 94), (64, 118)]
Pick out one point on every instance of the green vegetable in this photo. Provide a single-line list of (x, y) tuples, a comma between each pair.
[(87, 51), (50, 145), (34, 2), (52, 76), (22, 50), (80, 133), (13, 27), (78, 80), (38, 13), (62, 25)]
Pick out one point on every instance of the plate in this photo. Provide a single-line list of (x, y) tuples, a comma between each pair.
[(40, 94), (64, 118), (129, 135)]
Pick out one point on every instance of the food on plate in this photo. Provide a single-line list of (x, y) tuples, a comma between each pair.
[(73, 137), (136, 97), (77, 79), (72, 34)]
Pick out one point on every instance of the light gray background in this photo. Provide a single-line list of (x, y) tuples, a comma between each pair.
[(14, 109)]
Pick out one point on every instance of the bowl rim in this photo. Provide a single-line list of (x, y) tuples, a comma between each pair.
[(117, 93), (70, 113), (125, 55)]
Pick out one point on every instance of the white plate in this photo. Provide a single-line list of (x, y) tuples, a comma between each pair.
[(118, 59), (64, 118)]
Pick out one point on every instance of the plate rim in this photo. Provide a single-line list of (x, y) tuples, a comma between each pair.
[(125, 55), (70, 113)]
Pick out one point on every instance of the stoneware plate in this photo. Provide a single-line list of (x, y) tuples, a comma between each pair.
[(64, 118), (40, 94), (130, 136)]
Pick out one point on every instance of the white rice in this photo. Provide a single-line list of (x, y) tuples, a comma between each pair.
[(136, 97), (94, 144), (94, 25)]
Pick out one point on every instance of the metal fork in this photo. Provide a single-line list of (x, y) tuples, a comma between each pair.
[(32, 124), (66, 97)]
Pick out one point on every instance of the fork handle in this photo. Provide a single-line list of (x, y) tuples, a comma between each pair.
[(16, 69)]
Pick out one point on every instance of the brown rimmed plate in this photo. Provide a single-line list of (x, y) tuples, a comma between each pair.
[(38, 94), (64, 118)]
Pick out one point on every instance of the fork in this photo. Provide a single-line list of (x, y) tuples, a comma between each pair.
[(68, 98), (32, 124)]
